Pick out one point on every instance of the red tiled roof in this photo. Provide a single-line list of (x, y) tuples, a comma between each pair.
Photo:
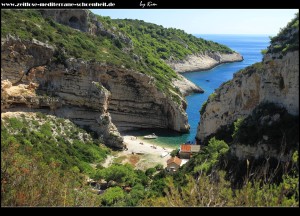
[(185, 148), (174, 160)]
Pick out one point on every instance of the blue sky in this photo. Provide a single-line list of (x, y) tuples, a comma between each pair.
[(210, 21)]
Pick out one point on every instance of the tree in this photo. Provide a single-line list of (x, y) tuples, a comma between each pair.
[(118, 173), (211, 155), (174, 153), (159, 167), (137, 193), (150, 171), (112, 196)]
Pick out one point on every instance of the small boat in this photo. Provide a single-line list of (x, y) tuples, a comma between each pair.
[(164, 154), (207, 80), (152, 136)]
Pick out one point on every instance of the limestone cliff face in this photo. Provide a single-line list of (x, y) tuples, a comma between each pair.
[(135, 102), (275, 81), (58, 90), (91, 94), (203, 61)]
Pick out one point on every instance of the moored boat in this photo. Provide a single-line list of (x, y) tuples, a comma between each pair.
[(151, 136)]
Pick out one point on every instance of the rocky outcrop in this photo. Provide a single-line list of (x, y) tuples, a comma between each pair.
[(77, 19), (203, 61), (93, 95), (185, 86), (275, 81), (18, 56), (135, 101), (62, 92)]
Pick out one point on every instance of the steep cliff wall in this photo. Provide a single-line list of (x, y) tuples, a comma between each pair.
[(135, 101), (98, 71), (257, 112), (275, 81), (63, 92), (86, 92)]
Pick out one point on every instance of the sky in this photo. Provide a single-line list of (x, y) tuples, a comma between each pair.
[(210, 21)]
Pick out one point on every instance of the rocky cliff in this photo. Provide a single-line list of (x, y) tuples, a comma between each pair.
[(65, 93), (257, 113), (105, 75), (273, 81), (91, 94)]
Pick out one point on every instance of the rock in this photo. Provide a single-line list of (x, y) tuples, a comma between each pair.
[(205, 61), (77, 19), (251, 87), (27, 54), (185, 86), (104, 99)]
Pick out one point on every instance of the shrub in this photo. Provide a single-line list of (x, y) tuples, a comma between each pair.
[(112, 196), (150, 171)]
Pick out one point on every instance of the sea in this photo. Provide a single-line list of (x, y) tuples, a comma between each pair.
[(249, 46)]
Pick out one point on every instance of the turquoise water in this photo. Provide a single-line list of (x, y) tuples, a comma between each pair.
[(249, 46)]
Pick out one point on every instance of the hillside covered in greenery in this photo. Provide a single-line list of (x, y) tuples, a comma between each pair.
[(132, 44), (283, 42), (44, 157), (47, 161)]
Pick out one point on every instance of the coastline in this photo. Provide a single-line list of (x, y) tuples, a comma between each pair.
[(207, 61), (185, 86), (141, 156)]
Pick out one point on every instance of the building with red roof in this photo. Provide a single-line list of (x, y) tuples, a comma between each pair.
[(173, 164)]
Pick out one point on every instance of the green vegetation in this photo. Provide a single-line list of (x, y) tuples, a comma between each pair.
[(174, 153), (44, 161), (29, 24), (57, 140), (287, 39), (118, 173), (215, 191), (268, 120), (150, 45), (202, 110), (33, 163), (209, 157), (237, 124), (165, 43), (123, 176), (210, 97), (113, 196), (27, 180), (204, 182), (264, 51)]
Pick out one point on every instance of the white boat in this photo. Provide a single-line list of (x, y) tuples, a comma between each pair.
[(164, 154), (152, 136)]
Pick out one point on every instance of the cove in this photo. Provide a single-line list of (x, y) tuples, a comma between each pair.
[(249, 46)]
